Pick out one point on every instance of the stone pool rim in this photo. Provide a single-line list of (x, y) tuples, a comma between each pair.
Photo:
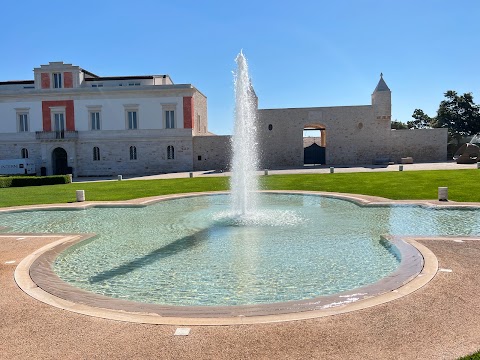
[(34, 275)]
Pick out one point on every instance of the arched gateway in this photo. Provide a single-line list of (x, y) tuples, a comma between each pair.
[(59, 161)]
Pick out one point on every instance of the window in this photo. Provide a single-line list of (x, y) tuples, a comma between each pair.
[(23, 122), (59, 125), (170, 119), (134, 84), (133, 153), (97, 85), (96, 153), (170, 152), (95, 120), (132, 120), (131, 116), (168, 111), (24, 153), (59, 121), (57, 80)]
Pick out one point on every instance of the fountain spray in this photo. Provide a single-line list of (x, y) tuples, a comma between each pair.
[(244, 181)]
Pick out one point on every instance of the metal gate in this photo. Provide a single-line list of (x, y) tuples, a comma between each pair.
[(314, 154)]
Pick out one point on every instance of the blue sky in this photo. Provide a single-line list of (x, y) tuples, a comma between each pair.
[(300, 53)]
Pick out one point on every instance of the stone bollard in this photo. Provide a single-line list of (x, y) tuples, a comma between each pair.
[(80, 195), (443, 194), (332, 170), (119, 177), (70, 176), (265, 172), (400, 167), (191, 174)]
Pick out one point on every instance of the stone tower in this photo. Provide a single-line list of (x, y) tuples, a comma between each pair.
[(382, 102)]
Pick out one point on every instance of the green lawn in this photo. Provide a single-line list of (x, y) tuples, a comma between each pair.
[(464, 185)]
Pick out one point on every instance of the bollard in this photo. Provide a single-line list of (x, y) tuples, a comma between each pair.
[(400, 167), (70, 176), (80, 195), (443, 194), (478, 165), (191, 174), (265, 172), (332, 170), (119, 177)]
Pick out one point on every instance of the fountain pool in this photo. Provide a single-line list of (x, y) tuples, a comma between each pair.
[(190, 252)]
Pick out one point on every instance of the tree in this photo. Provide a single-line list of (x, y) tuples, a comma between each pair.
[(422, 120), (457, 113), (398, 125)]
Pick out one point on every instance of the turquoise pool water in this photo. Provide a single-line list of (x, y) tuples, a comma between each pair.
[(189, 251)]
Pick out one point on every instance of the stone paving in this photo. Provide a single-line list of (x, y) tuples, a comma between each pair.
[(439, 321)]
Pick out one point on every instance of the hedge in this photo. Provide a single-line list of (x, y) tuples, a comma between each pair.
[(21, 181)]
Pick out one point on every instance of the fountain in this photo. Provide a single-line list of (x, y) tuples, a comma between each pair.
[(246, 250), (244, 181)]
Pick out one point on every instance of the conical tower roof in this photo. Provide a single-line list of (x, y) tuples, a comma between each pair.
[(382, 85)]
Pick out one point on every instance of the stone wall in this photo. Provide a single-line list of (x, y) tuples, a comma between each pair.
[(151, 158), (151, 148), (11, 146), (353, 135), (211, 152), (423, 145), (200, 105)]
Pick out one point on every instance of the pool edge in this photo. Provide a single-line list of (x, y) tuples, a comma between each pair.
[(29, 286)]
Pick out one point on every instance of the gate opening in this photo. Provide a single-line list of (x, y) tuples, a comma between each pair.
[(314, 144)]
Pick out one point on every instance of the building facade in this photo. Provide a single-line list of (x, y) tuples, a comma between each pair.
[(69, 120)]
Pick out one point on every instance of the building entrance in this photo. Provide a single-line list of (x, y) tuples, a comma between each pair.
[(59, 161)]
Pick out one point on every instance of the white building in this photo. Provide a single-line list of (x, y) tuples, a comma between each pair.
[(70, 120)]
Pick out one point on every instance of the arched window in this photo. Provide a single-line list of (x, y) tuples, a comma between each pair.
[(24, 153), (133, 153), (96, 153), (170, 152)]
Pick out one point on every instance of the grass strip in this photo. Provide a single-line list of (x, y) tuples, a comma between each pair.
[(464, 185)]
